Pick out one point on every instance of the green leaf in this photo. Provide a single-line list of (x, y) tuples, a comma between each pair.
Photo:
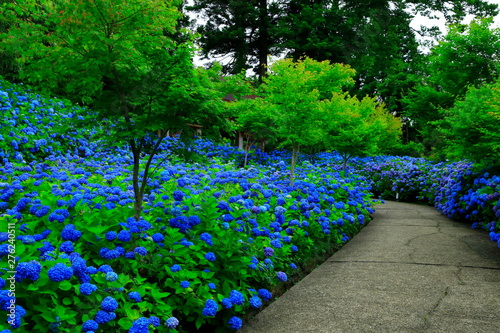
[(65, 285)]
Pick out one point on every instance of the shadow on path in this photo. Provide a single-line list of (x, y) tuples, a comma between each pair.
[(409, 270)]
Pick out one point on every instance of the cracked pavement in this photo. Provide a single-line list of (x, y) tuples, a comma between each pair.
[(409, 270)]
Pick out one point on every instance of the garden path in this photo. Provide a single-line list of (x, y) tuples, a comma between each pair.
[(409, 270)]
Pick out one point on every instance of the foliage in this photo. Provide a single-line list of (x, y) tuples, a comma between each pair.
[(255, 121), (465, 57), (297, 91), (119, 57), (358, 127), (373, 37), (471, 127), (238, 30)]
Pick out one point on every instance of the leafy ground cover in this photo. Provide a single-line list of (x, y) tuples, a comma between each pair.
[(214, 241)]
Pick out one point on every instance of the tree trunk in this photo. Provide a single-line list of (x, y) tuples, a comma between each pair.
[(295, 155), (247, 150), (263, 39), (345, 159), (135, 180)]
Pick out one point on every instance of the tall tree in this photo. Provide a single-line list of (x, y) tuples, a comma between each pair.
[(471, 126), (466, 56), (236, 31), (120, 57), (339, 31)]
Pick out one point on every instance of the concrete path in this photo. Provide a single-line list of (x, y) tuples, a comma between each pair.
[(409, 270)]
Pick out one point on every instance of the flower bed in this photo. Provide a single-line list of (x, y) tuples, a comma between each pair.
[(213, 243), (453, 188)]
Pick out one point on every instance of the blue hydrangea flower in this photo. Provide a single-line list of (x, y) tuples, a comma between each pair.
[(28, 239), (185, 284), (255, 302), (42, 211), (90, 325), (28, 270), (281, 276), (109, 254), (87, 288), (210, 308), (141, 250), (235, 323), (226, 303), (103, 317), (186, 243), (155, 321), (124, 236), (178, 195), (276, 243), (70, 233), (212, 285), (105, 269), (158, 238), (210, 256), (175, 268), (207, 238), (140, 326), (134, 296), (60, 272), (111, 276), (236, 297), (172, 323), (268, 251), (67, 247), (265, 294), (111, 235), (109, 304)]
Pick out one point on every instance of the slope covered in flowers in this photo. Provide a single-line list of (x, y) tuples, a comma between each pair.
[(214, 241)]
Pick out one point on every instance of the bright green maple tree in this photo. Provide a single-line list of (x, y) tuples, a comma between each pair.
[(354, 127), (471, 127), (296, 91), (123, 58)]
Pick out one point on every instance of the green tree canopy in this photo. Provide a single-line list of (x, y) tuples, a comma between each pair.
[(471, 126), (121, 58), (354, 127), (466, 56), (296, 90)]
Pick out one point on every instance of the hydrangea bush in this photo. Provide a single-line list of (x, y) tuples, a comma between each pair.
[(214, 241), (454, 188)]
